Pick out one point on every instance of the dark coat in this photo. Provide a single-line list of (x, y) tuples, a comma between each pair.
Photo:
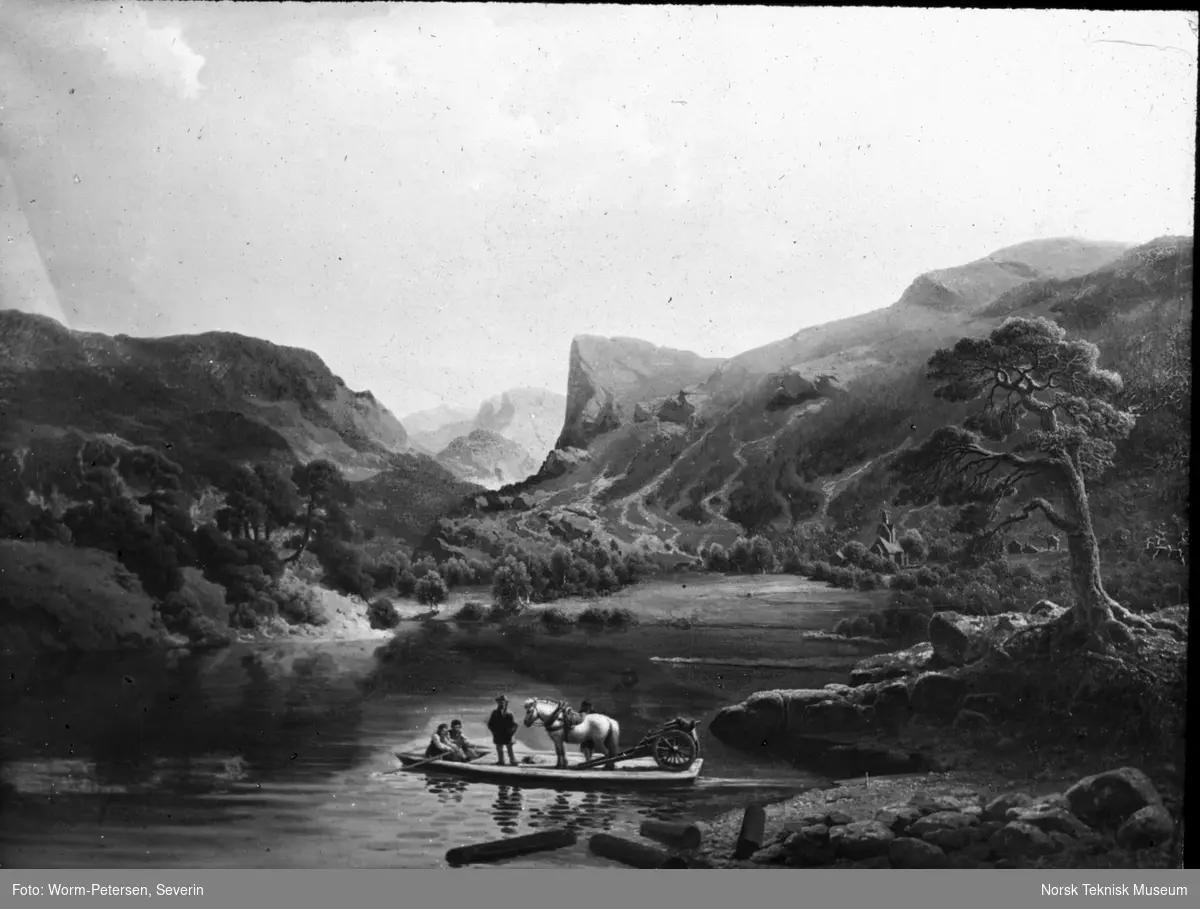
[(503, 726)]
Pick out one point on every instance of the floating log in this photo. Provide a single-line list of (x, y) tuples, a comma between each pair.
[(627, 852), (750, 840), (681, 836), (542, 841)]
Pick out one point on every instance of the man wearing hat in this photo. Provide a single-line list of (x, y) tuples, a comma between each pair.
[(503, 726)]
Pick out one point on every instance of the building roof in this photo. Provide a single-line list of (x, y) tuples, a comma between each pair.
[(888, 546)]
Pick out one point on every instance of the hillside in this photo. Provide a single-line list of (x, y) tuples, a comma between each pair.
[(677, 451), (210, 402), (527, 419), (487, 458)]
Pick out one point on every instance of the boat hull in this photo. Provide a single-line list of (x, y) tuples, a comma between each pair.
[(635, 773)]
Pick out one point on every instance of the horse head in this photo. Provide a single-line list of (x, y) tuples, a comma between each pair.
[(531, 712)]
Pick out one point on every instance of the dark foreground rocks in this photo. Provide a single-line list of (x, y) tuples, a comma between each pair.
[(978, 684), (1111, 819)]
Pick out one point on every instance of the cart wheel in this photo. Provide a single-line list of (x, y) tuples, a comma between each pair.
[(675, 750)]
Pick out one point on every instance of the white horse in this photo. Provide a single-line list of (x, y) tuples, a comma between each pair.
[(559, 722)]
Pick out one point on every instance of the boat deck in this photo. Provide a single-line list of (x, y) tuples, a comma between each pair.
[(537, 769)]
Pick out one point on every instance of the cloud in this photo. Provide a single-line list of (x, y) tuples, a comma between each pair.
[(134, 47)]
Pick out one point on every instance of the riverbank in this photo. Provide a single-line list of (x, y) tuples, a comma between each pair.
[(979, 711), (963, 819)]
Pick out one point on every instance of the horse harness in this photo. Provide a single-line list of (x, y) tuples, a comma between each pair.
[(561, 712)]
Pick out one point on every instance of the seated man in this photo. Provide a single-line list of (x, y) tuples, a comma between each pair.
[(441, 746), (469, 751)]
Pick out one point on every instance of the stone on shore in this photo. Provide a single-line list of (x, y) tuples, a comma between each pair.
[(907, 852), (1147, 828), (1107, 800), (860, 840)]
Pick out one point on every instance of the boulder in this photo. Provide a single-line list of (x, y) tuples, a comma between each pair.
[(768, 716), (1047, 609), (1107, 800), (861, 840), (989, 703), (1147, 828), (907, 852), (960, 639), (838, 819), (952, 839), (892, 706), (809, 848), (1017, 841), (895, 665), (942, 820), (930, 804), (997, 809), (1050, 820), (937, 695), (898, 818), (830, 717), (970, 720)]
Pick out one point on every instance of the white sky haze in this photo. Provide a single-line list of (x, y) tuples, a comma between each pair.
[(436, 198)]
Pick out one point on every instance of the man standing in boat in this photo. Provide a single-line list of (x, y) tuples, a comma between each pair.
[(503, 726)]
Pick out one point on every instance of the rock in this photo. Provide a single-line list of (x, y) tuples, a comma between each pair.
[(906, 852), (952, 839), (988, 829), (1051, 800), (818, 833), (958, 639), (810, 851), (1050, 820), (892, 706), (942, 820), (997, 809), (989, 703), (877, 861), (1047, 609), (810, 820), (929, 804), (895, 665), (838, 819), (970, 720), (1016, 841), (898, 818), (775, 854), (1108, 799), (831, 717), (937, 695), (839, 689), (769, 716), (860, 840), (978, 851), (1147, 828)]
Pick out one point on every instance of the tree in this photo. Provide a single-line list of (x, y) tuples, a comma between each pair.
[(1043, 403), (431, 590), (914, 545), (322, 488), (511, 584)]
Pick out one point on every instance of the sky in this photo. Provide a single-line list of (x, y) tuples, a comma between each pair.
[(437, 197)]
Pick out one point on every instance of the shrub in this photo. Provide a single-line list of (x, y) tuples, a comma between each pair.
[(554, 617), (298, 603), (382, 614), (431, 589), (472, 611), (406, 583)]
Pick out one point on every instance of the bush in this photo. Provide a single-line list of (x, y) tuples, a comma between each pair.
[(406, 583), (382, 614), (431, 589), (472, 611), (298, 603), (554, 617)]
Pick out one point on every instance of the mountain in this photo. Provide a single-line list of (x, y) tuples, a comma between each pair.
[(488, 459), (209, 402), (427, 421), (676, 451), (528, 419)]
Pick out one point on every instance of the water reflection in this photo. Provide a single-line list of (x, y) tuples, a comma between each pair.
[(447, 791), (506, 809)]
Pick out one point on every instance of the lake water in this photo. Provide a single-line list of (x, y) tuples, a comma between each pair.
[(277, 755)]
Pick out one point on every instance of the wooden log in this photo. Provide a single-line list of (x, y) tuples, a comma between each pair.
[(679, 835), (627, 852), (542, 841), (750, 839)]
